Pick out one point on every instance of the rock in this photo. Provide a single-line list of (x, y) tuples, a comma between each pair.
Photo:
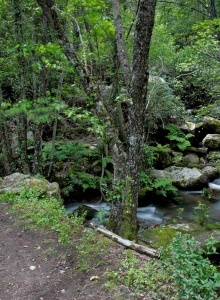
[(92, 278), (17, 181), (160, 173), (190, 160), (212, 125), (188, 127), (213, 156), (211, 141), (197, 150), (186, 177), (210, 172), (89, 212), (13, 182), (177, 158)]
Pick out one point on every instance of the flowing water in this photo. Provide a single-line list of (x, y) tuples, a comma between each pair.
[(161, 214)]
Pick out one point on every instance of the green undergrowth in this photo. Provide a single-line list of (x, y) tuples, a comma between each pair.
[(39, 212), (182, 272)]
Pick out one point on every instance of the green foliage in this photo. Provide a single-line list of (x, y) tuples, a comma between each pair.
[(41, 212), (77, 158), (210, 110), (178, 138), (193, 275), (163, 106), (149, 278), (161, 186), (201, 213), (115, 194), (182, 273), (89, 249), (149, 157)]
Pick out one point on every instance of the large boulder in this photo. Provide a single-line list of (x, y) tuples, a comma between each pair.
[(211, 141), (212, 125), (186, 177), (17, 181), (210, 172)]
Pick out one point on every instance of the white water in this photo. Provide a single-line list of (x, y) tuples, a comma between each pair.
[(151, 215), (147, 215), (214, 186)]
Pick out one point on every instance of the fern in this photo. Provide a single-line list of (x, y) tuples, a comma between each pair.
[(179, 139), (163, 185)]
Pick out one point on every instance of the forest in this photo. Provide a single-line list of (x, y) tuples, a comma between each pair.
[(93, 94)]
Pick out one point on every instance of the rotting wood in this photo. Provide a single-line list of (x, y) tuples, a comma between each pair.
[(129, 244)]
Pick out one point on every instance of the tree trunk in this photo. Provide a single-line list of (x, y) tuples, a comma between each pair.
[(127, 162), (212, 9), (6, 158), (22, 119), (38, 128)]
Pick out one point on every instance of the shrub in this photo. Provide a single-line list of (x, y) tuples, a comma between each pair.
[(194, 276)]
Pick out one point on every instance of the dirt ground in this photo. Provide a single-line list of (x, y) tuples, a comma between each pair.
[(34, 266)]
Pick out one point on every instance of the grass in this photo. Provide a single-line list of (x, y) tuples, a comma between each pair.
[(42, 213)]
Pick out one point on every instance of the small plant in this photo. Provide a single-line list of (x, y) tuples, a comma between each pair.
[(206, 193), (101, 216), (89, 249), (201, 213), (150, 156), (178, 138), (161, 186), (179, 217), (149, 277)]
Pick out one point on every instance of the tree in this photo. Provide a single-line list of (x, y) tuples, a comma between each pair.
[(129, 114)]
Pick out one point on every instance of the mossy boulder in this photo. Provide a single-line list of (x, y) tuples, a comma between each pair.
[(212, 125), (17, 181), (211, 141), (186, 177), (190, 160), (213, 156)]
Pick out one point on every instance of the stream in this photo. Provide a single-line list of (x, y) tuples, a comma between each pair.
[(151, 215)]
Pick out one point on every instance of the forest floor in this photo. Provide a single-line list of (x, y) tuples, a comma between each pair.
[(34, 266)]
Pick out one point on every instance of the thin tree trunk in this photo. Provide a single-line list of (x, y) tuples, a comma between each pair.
[(22, 119), (212, 9), (38, 128), (59, 92), (6, 156)]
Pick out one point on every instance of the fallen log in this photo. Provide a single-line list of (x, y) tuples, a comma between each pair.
[(129, 244)]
